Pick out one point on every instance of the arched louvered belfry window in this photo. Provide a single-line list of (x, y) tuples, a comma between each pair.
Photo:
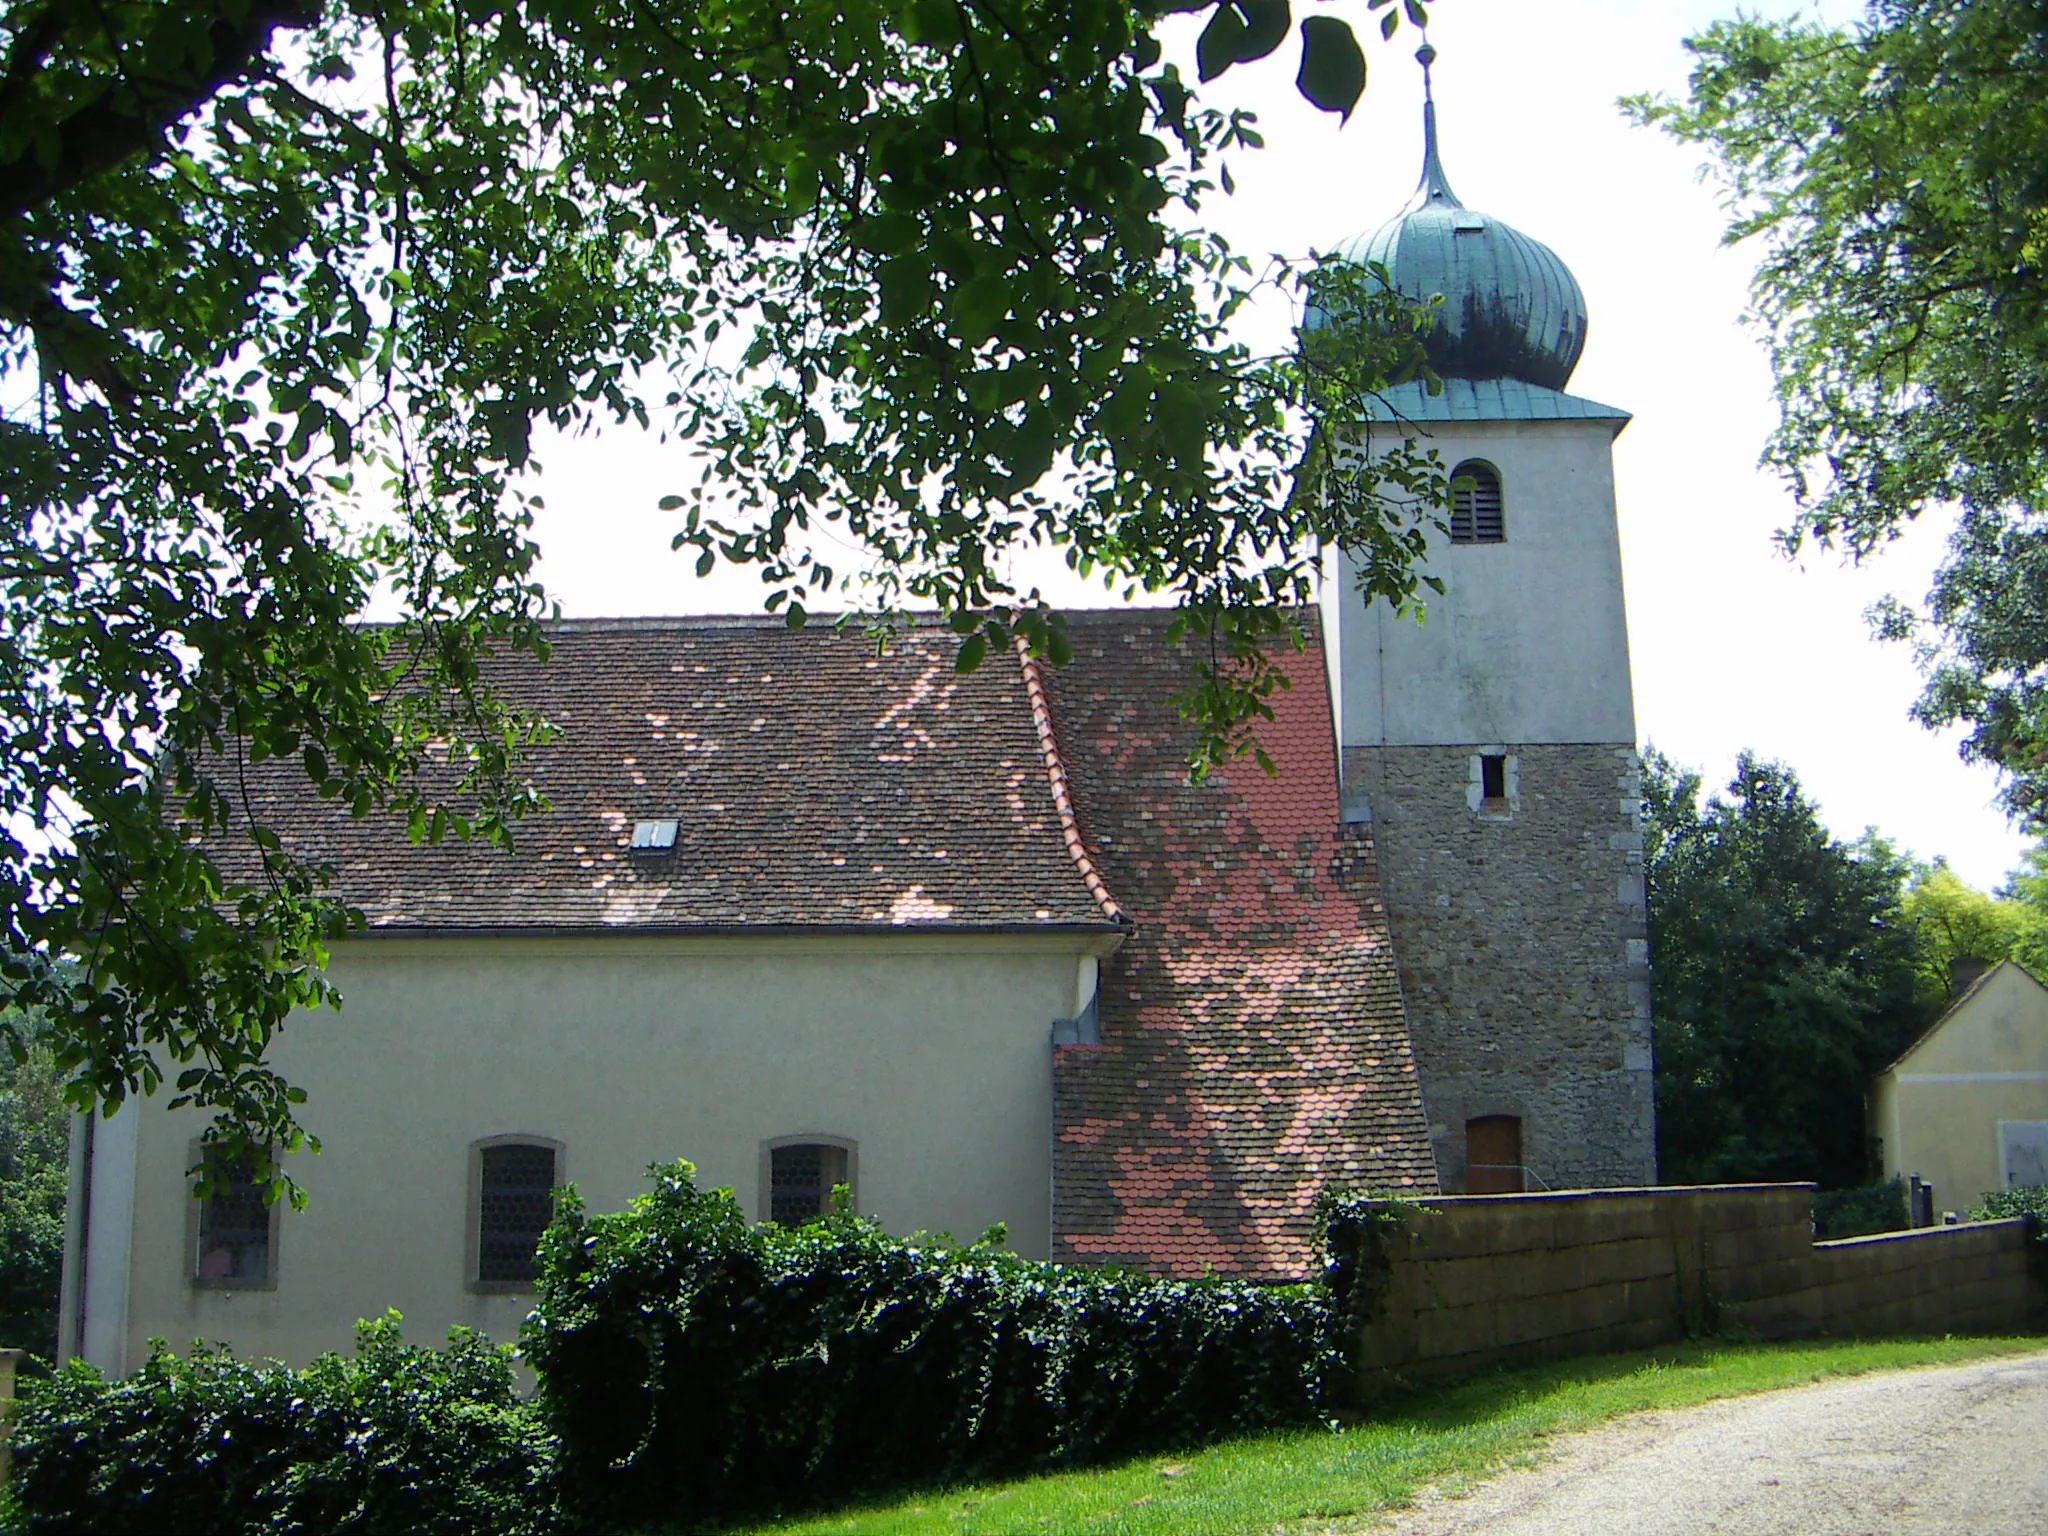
[(1475, 504)]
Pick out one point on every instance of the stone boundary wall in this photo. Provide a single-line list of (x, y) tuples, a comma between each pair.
[(1480, 1280)]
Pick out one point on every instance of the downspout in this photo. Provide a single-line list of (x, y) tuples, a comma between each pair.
[(77, 1222)]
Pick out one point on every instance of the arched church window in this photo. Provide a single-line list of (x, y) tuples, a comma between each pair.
[(1476, 505), (799, 1174), (512, 1197), (235, 1230)]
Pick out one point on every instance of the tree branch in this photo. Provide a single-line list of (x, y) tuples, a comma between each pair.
[(122, 122)]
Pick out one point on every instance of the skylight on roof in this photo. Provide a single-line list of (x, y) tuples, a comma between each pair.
[(655, 834)]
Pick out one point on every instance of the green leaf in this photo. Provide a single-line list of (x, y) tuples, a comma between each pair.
[(1332, 74), (1240, 31), (1216, 49), (906, 289), (889, 233), (1266, 24), (972, 650)]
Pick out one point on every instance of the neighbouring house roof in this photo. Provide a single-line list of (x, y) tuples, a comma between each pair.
[(1254, 1047), (814, 783), (1960, 1001)]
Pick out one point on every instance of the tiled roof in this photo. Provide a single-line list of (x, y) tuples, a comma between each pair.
[(1254, 1048), (814, 783)]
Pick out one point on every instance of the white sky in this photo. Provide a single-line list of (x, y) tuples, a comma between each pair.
[(1733, 645)]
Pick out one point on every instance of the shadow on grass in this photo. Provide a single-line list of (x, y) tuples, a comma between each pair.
[(1455, 1402), (1442, 1429)]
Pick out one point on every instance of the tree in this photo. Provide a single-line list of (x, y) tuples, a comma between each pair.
[(1961, 929), (2027, 889), (285, 286), (35, 1128), (1894, 174), (1783, 977)]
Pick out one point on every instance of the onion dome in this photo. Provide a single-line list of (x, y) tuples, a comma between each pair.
[(1511, 309)]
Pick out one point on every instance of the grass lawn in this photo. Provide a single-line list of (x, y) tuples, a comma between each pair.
[(1301, 1481)]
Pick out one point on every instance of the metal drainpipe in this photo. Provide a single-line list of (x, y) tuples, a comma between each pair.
[(82, 1191)]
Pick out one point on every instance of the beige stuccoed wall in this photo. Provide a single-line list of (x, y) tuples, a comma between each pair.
[(931, 1053), (1937, 1111)]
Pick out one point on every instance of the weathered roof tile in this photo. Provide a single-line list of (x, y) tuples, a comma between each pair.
[(814, 784), (1254, 1049)]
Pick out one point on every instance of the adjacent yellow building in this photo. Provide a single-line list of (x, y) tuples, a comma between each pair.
[(1966, 1108)]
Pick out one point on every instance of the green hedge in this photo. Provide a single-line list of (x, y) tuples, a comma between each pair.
[(1861, 1211), (1357, 1235), (2028, 1200), (398, 1439), (694, 1366)]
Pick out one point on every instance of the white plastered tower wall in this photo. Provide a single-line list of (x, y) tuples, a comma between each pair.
[(1528, 642), (1492, 746)]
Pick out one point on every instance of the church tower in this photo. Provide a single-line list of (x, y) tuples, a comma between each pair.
[(1492, 746)]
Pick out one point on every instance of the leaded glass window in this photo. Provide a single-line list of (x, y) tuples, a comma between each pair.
[(234, 1226), (515, 1199), (801, 1176)]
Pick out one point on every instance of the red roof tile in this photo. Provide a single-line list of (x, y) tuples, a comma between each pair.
[(814, 784), (1254, 1048)]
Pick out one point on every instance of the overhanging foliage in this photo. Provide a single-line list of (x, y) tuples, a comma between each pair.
[(285, 288), (1892, 176)]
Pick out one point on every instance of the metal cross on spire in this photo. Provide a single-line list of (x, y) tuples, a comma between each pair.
[(1435, 187)]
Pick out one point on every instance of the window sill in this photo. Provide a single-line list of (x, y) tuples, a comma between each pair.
[(502, 1287), (233, 1285)]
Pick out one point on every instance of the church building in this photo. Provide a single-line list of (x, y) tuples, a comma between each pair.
[(808, 915)]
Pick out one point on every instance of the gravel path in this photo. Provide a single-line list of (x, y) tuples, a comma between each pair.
[(1959, 1451)]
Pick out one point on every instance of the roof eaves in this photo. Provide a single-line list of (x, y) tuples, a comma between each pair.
[(718, 930), (1062, 795)]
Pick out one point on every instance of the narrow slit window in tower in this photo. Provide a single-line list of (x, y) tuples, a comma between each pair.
[(1493, 776)]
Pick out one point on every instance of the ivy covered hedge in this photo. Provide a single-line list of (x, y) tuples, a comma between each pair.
[(1858, 1212), (693, 1365), (2029, 1202), (1358, 1236), (399, 1438), (2025, 1200)]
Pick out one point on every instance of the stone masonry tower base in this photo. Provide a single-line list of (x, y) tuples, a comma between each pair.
[(1521, 946)]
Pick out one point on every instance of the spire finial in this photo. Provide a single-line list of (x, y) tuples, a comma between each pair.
[(1435, 187)]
